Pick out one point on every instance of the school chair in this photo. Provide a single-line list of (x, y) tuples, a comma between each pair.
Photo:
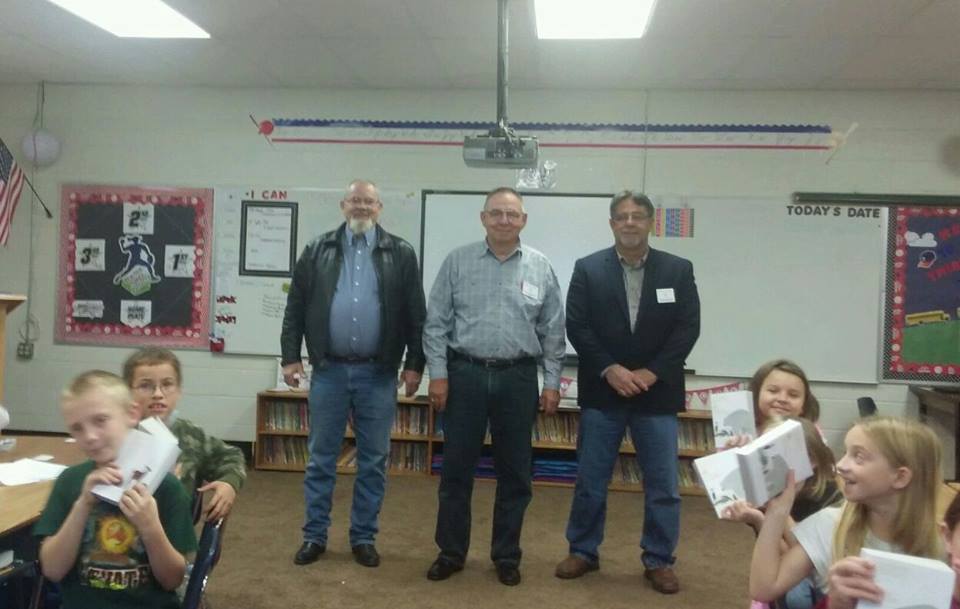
[(196, 506), (208, 555), (866, 406), (18, 573)]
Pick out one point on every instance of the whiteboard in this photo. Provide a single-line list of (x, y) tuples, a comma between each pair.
[(248, 308), (773, 281)]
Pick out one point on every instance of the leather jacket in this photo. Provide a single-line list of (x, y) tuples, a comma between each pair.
[(402, 304)]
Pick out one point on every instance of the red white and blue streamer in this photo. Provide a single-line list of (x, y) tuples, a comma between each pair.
[(626, 136)]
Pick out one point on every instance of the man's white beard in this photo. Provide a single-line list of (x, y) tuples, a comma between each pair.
[(360, 225)]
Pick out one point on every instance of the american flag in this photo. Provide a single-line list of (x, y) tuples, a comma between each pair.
[(11, 182)]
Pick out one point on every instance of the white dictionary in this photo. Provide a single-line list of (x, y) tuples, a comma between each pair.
[(732, 413), (147, 454), (910, 582), (756, 472)]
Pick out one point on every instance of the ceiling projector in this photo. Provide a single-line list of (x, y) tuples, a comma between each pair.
[(499, 150)]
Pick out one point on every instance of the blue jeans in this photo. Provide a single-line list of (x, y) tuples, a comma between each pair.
[(804, 595), (369, 392), (598, 444)]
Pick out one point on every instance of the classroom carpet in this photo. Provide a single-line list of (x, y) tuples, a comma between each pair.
[(256, 570)]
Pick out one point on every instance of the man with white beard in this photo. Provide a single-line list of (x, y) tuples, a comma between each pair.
[(357, 299)]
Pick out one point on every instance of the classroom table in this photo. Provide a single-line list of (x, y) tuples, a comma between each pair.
[(22, 504)]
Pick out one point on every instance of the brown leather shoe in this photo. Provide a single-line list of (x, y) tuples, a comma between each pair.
[(663, 580), (573, 566)]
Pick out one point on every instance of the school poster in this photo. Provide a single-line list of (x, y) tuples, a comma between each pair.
[(134, 266), (922, 312)]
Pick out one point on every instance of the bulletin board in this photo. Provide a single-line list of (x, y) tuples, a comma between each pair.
[(921, 329), (134, 266)]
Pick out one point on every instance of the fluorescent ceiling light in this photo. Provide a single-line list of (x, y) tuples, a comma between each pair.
[(134, 18), (593, 18)]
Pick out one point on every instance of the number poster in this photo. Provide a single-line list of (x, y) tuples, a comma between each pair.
[(134, 266)]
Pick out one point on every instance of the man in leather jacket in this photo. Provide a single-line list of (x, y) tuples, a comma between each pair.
[(357, 299)]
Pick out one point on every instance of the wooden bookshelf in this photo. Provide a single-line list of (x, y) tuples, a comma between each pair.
[(283, 428)]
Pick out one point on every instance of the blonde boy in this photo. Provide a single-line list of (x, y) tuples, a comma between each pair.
[(130, 555), (154, 377)]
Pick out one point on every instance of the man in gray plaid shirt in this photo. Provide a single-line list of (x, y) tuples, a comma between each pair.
[(494, 313)]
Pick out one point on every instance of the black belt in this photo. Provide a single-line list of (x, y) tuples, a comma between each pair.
[(351, 359), (488, 362)]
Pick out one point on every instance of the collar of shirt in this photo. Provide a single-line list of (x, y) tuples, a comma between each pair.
[(638, 265), (486, 250), (369, 236)]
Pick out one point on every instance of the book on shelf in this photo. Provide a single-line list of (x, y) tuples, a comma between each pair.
[(758, 471), (732, 414), (147, 454), (909, 582)]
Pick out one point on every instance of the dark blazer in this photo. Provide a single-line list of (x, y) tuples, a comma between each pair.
[(402, 306), (598, 326)]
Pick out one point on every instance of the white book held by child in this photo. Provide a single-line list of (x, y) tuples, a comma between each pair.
[(756, 472), (147, 454), (909, 582), (732, 413)]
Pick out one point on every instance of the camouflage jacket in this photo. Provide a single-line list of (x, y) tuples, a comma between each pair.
[(204, 458)]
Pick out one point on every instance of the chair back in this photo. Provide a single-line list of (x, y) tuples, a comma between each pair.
[(208, 555), (866, 406), (196, 506)]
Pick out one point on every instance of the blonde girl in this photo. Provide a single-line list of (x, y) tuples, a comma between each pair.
[(889, 474)]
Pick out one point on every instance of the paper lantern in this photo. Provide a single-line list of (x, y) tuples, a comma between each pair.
[(41, 147)]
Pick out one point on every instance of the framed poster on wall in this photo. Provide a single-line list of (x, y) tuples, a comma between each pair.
[(134, 266)]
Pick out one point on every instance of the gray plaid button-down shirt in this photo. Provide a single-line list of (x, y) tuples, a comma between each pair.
[(486, 308)]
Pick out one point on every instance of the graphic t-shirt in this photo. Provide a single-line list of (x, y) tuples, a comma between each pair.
[(112, 568)]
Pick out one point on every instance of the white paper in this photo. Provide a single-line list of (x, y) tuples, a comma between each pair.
[(179, 261), (138, 218), (665, 295), (530, 290), (28, 471), (90, 255), (909, 582), (268, 238)]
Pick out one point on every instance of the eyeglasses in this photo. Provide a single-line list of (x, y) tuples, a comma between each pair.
[(512, 216), (358, 201), (635, 216), (149, 387)]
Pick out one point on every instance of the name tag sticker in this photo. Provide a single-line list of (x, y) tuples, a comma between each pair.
[(665, 295), (529, 290)]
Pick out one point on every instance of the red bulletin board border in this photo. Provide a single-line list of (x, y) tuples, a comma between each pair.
[(195, 335)]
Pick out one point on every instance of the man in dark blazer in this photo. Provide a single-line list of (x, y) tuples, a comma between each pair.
[(633, 315)]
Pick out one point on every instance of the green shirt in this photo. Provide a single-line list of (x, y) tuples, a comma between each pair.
[(112, 568), (204, 458)]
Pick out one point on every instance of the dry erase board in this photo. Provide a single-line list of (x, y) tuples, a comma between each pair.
[(258, 234), (775, 279)]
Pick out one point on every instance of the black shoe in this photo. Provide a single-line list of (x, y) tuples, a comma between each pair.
[(308, 553), (509, 575), (366, 555), (441, 569)]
